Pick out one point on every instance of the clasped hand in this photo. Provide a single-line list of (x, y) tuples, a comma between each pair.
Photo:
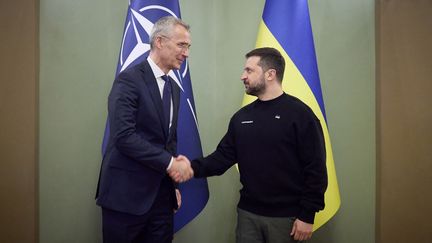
[(181, 170)]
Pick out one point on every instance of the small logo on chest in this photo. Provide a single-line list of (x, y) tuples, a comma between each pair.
[(246, 122), (277, 117)]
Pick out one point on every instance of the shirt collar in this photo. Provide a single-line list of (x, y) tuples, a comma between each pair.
[(155, 68)]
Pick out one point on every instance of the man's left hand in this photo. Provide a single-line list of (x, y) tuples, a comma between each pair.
[(178, 196), (301, 230)]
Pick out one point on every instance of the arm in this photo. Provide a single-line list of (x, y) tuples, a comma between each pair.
[(220, 160), (313, 160), (124, 104)]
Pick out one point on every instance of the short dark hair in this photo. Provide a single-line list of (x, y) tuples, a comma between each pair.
[(270, 58)]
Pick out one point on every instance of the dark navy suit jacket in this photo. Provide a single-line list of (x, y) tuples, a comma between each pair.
[(140, 148)]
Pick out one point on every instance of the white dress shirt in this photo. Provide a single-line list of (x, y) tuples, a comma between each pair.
[(158, 73)]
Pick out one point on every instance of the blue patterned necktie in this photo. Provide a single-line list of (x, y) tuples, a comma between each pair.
[(166, 100)]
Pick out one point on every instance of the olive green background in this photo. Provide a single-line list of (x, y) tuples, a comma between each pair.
[(79, 45)]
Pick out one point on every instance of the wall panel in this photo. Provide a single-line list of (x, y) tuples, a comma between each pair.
[(404, 118), (18, 120)]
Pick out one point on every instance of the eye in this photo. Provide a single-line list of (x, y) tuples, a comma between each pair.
[(184, 46)]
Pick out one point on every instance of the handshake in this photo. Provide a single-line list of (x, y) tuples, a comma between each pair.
[(180, 170)]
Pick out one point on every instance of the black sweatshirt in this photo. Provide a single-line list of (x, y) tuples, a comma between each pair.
[(279, 147)]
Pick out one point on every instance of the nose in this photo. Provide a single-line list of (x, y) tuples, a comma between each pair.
[(243, 76), (185, 52)]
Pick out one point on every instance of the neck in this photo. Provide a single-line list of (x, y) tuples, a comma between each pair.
[(271, 92), (157, 60)]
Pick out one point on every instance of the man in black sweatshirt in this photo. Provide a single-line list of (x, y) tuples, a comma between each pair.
[(278, 144)]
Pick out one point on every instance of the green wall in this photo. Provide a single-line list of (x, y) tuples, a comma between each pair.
[(79, 44)]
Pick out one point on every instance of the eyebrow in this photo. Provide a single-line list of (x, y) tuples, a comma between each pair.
[(185, 43)]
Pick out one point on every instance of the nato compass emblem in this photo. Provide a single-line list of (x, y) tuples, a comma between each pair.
[(135, 45)]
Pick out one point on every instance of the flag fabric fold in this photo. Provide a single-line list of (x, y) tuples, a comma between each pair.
[(286, 26), (135, 47)]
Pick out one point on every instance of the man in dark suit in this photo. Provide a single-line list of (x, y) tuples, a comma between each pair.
[(137, 196)]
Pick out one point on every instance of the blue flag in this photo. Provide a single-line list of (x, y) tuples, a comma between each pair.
[(135, 48)]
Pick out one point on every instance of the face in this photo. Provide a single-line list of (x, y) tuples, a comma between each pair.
[(175, 48), (253, 77)]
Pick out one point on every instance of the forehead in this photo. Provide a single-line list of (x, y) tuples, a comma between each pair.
[(252, 61), (181, 33)]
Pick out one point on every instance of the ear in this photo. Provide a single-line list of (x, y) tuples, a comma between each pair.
[(270, 74), (158, 42)]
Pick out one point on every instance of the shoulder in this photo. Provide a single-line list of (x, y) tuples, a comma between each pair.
[(132, 72), (135, 76), (244, 110), (298, 107)]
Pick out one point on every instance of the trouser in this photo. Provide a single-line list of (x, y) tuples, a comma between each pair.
[(155, 226), (253, 228)]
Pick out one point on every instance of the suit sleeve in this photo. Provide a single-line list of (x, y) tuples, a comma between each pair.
[(123, 106)]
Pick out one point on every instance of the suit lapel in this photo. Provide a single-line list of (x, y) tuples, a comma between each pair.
[(151, 83), (153, 88)]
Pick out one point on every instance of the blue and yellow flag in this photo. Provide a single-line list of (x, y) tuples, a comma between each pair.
[(135, 47), (286, 26)]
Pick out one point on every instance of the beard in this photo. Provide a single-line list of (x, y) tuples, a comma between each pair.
[(257, 89)]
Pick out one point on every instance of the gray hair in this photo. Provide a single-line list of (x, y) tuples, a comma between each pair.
[(164, 27)]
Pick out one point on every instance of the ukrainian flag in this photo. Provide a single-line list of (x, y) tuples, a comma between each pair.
[(286, 26)]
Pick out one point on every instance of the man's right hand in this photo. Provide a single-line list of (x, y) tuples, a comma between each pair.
[(180, 170)]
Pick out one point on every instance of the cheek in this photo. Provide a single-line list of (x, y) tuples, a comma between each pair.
[(175, 55)]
